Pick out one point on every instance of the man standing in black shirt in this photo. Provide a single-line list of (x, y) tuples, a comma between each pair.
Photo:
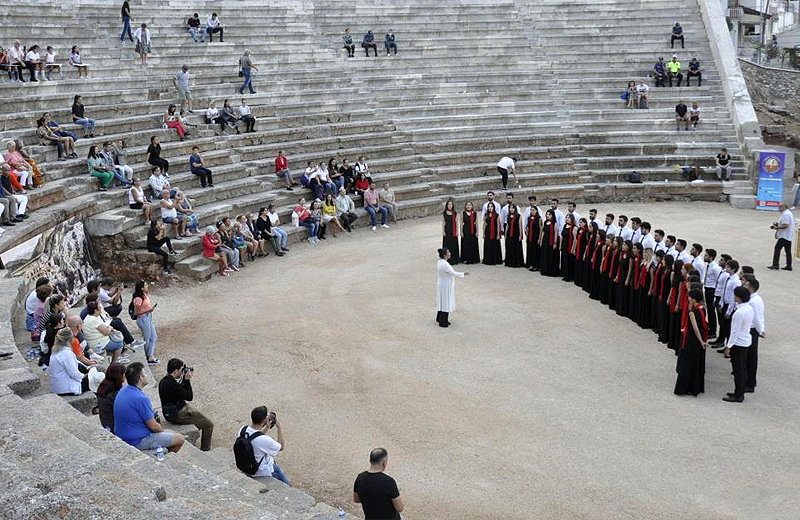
[(174, 390), (376, 491), (681, 115)]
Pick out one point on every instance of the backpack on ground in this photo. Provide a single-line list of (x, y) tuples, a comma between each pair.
[(244, 454), (132, 311), (635, 178)]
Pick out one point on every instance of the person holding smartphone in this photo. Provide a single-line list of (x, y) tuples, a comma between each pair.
[(265, 448), (143, 309)]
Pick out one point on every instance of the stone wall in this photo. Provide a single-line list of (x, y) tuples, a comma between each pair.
[(773, 86)]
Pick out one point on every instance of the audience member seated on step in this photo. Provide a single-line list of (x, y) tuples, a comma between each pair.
[(389, 200), (142, 37), (193, 26), (690, 173), (107, 155), (361, 166), (20, 171), (226, 245), (240, 242), (197, 167), (376, 491), (265, 448), (107, 393), (156, 238), (65, 145), (19, 199), (33, 61), (303, 218), (250, 222), (50, 64), (154, 155), (99, 169), (316, 217), (642, 95), (79, 117), (170, 215), (65, 378), (117, 152), (282, 169), (214, 25), (389, 42), (682, 115), (345, 209), (42, 294), (181, 83), (38, 176), (213, 116), (57, 129), (16, 56), (30, 303), (361, 184), (677, 34), (324, 179), (723, 161), (309, 179), (694, 70), (159, 183), (629, 95), (373, 206), (110, 295), (12, 69), (368, 42), (174, 389), (349, 175), (76, 61), (93, 289), (329, 217), (246, 68), (335, 174), (230, 115), (184, 207), (86, 356), (136, 199), (267, 232), (98, 332), (49, 327), (275, 223), (674, 70), (694, 115), (135, 422), (254, 244), (347, 41), (244, 114), (171, 120), (660, 73), (211, 250), (143, 310)]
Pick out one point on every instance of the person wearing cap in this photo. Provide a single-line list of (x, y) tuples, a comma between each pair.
[(694, 70), (674, 67), (660, 72), (677, 34), (65, 378)]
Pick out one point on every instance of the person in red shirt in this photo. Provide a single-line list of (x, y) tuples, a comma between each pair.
[(210, 244), (282, 170)]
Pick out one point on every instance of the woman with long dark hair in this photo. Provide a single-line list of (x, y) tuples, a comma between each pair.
[(469, 235), (691, 365), (588, 254), (445, 288), (450, 231), (664, 285), (596, 264), (492, 252), (605, 268), (99, 169), (107, 393), (513, 233), (567, 244), (647, 270), (143, 309), (634, 290), (675, 280), (533, 232), (578, 251), (153, 156), (549, 241), (622, 281)]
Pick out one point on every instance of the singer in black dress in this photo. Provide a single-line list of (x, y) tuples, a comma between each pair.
[(469, 235), (691, 365), (588, 255), (450, 231), (566, 245), (580, 249), (623, 279), (549, 245), (595, 274), (513, 233), (533, 230), (492, 252), (634, 291)]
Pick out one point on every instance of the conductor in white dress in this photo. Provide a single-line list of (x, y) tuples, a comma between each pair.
[(446, 287)]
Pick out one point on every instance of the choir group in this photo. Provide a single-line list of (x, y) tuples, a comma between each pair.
[(650, 278)]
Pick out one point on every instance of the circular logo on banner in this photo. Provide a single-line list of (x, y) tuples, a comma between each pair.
[(772, 164)]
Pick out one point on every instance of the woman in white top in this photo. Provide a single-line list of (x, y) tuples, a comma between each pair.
[(213, 117), (34, 62), (50, 64), (136, 199), (142, 37), (446, 287), (75, 61), (388, 199), (97, 330), (345, 209), (65, 378)]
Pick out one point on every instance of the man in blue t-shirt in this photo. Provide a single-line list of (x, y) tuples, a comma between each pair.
[(660, 72), (198, 167), (677, 34), (134, 420), (694, 70)]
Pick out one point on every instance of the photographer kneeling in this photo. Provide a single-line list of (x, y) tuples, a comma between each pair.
[(174, 390)]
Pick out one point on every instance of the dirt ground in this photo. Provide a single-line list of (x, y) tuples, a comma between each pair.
[(536, 403)]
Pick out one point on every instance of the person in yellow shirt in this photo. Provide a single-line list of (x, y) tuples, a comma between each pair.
[(674, 68)]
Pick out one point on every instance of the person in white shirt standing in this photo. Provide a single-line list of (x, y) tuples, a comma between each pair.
[(784, 233), (647, 239), (505, 166), (729, 281), (683, 254), (571, 209), (711, 271), (509, 203), (636, 222), (609, 226), (759, 330), (738, 343), (658, 236), (490, 200), (697, 261), (560, 218), (624, 231)]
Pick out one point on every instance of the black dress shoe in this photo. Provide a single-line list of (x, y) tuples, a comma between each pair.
[(731, 399), (773, 267), (787, 268), (16, 219), (23, 216), (749, 390), (8, 223)]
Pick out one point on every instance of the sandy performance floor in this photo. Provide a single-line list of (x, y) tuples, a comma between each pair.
[(536, 403)]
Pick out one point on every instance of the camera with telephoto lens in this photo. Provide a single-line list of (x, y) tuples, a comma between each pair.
[(186, 369)]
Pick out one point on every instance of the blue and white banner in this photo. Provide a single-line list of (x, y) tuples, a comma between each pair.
[(770, 180)]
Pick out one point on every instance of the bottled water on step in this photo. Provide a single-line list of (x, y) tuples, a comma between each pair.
[(161, 452)]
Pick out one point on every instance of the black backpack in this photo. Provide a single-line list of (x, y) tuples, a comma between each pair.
[(635, 178), (244, 454), (132, 311)]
